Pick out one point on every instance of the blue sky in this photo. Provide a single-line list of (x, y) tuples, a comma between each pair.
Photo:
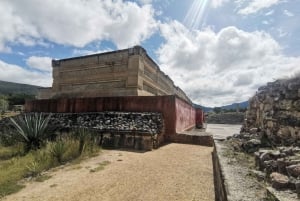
[(218, 51)]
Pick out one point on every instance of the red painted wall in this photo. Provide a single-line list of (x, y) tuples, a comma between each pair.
[(199, 117), (185, 115), (178, 115)]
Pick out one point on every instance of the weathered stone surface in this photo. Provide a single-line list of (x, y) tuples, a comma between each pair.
[(293, 170), (127, 72), (279, 181), (252, 145), (274, 110)]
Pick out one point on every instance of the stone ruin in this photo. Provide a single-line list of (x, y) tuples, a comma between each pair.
[(275, 109), (272, 132)]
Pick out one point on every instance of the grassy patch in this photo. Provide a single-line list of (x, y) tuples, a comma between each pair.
[(33, 164), (9, 188), (11, 151), (100, 166), (11, 171), (38, 154)]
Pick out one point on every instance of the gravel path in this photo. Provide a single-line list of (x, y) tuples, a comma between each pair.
[(172, 172)]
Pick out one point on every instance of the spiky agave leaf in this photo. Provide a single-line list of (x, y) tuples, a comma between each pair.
[(32, 129)]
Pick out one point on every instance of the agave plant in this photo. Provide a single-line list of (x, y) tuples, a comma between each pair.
[(32, 129), (57, 150)]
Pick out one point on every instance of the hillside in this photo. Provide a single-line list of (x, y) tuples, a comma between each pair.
[(241, 105), (9, 88)]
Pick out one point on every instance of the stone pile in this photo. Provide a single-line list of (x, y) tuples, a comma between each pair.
[(281, 167), (275, 110), (109, 121)]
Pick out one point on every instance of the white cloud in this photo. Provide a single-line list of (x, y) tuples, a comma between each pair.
[(288, 13), (40, 63), (74, 22), (218, 3), (256, 5), (14, 73), (224, 67)]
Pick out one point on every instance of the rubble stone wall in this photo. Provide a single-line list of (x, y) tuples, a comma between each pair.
[(275, 110), (141, 131)]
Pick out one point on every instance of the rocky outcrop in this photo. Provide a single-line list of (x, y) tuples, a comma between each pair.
[(275, 110), (271, 132)]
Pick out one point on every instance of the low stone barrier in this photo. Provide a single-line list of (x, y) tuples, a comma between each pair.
[(140, 131), (204, 140)]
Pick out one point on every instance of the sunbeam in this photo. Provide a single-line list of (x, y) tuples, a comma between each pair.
[(194, 19)]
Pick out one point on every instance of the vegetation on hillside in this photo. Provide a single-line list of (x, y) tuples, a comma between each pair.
[(10, 88), (15, 94), (27, 148)]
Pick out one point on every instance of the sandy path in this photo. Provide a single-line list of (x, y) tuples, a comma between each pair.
[(172, 172)]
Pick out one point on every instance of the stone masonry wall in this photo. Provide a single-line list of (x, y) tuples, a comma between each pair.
[(275, 110), (141, 131)]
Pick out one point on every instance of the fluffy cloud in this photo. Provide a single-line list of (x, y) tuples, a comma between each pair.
[(217, 3), (256, 5), (40, 63), (224, 67), (74, 22), (14, 73)]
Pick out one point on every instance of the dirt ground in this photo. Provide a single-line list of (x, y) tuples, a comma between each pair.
[(172, 172)]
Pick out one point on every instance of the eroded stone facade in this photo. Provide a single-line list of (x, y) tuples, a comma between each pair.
[(275, 109), (128, 72)]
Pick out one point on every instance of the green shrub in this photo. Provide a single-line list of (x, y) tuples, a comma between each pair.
[(32, 130), (57, 150), (73, 150), (83, 136), (33, 169)]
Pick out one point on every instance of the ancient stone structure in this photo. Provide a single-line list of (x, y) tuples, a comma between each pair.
[(128, 72), (177, 114), (120, 81), (275, 110), (272, 132)]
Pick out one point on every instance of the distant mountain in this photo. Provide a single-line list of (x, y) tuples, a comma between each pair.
[(9, 88), (235, 105), (241, 105)]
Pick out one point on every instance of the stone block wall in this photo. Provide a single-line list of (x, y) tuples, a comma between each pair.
[(128, 72), (275, 110)]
